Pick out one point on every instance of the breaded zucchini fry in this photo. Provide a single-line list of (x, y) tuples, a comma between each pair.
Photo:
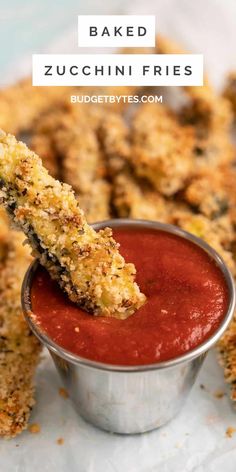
[(133, 200), (68, 142), (43, 138), (21, 104), (162, 150), (42, 145), (214, 233), (205, 105), (227, 356), (96, 202), (114, 136), (207, 194), (19, 349), (86, 263), (208, 113), (211, 117), (81, 157), (4, 229), (230, 90)]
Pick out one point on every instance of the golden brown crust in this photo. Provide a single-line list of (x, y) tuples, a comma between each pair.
[(21, 104), (96, 201), (211, 119), (230, 90), (19, 349), (209, 114), (133, 199), (161, 149), (207, 193), (82, 157), (217, 233), (227, 356), (42, 145), (86, 263)]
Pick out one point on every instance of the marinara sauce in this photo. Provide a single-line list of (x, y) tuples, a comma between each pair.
[(187, 297)]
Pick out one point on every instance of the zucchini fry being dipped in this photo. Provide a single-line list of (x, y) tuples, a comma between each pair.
[(85, 263)]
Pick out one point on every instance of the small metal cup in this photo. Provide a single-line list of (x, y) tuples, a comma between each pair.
[(134, 399)]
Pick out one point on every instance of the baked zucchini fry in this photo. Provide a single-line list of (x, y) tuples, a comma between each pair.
[(19, 349), (230, 90), (227, 357), (207, 194), (86, 263), (162, 149), (21, 104), (217, 233), (81, 157), (96, 202), (42, 145), (133, 199)]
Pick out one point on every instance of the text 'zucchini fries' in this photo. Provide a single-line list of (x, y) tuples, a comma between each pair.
[(86, 263)]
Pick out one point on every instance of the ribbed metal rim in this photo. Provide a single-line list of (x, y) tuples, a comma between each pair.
[(198, 351)]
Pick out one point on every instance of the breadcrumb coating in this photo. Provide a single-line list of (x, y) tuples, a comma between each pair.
[(19, 349), (212, 232), (211, 117), (81, 157), (96, 202), (227, 356), (21, 104), (206, 192), (162, 150), (209, 114), (86, 263), (42, 145), (229, 91), (135, 200), (114, 138)]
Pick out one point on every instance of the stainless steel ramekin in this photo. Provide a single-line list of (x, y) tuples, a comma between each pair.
[(123, 399)]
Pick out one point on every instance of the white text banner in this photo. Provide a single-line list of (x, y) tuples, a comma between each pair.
[(117, 69), (116, 31)]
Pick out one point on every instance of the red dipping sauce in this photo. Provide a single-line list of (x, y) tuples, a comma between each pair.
[(187, 298)]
